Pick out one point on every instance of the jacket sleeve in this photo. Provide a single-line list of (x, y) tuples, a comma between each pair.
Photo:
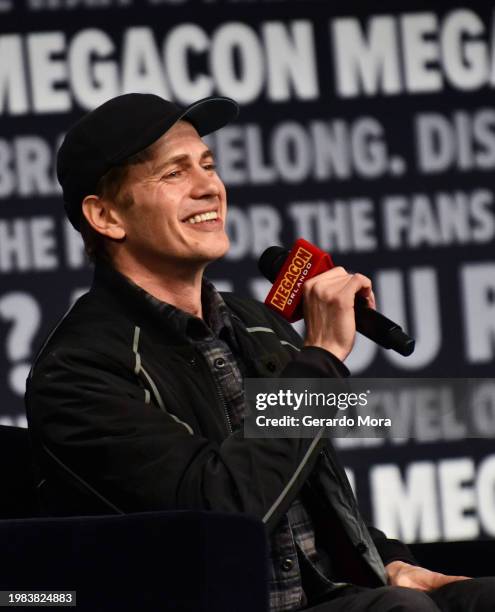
[(315, 362), (95, 422), (390, 549)]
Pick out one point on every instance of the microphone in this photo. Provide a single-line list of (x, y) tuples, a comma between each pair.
[(288, 270)]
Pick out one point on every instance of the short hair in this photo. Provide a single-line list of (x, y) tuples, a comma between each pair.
[(110, 186)]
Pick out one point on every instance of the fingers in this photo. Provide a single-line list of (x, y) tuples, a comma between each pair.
[(360, 284), (339, 286), (329, 302), (371, 301), (329, 276), (442, 579)]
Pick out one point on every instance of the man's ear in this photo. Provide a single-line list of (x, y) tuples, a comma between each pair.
[(103, 217)]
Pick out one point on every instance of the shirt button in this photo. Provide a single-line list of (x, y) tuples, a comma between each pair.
[(287, 564), (219, 363), (361, 548)]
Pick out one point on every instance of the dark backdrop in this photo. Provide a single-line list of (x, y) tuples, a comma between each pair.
[(370, 132)]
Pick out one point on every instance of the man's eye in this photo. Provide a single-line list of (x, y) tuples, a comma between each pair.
[(211, 166), (173, 174)]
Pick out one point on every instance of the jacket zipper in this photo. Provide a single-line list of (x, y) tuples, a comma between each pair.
[(224, 404)]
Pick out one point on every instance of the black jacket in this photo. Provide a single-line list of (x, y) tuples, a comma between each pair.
[(125, 416)]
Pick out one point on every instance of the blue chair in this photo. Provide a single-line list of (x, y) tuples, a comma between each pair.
[(184, 561)]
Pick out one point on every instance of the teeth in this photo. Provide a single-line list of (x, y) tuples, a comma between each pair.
[(209, 216)]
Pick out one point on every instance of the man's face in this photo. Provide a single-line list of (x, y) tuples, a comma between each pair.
[(172, 192)]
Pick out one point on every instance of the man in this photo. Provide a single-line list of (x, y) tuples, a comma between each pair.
[(136, 400)]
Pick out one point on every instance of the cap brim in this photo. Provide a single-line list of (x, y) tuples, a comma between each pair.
[(210, 114)]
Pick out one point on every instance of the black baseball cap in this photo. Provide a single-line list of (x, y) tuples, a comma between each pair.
[(121, 127)]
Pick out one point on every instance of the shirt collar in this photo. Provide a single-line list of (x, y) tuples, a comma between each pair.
[(216, 315)]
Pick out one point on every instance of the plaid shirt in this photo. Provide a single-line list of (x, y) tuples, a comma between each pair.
[(293, 541)]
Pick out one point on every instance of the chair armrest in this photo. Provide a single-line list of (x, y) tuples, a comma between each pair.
[(180, 561)]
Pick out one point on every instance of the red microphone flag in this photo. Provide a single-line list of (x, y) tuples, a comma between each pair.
[(303, 262)]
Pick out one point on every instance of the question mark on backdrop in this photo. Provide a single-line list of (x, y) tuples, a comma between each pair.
[(23, 312)]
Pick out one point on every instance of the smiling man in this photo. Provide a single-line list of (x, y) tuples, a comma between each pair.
[(173, 221), (136, 400)]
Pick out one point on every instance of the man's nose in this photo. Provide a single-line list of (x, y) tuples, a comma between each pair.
[(204, 183)]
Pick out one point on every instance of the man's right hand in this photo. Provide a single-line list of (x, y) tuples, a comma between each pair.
[(329, 309)]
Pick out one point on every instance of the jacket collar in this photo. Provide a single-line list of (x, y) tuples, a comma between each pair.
[(115, 288), (131, 296)]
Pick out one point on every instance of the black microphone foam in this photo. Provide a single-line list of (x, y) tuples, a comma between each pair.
[(271, 261)]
